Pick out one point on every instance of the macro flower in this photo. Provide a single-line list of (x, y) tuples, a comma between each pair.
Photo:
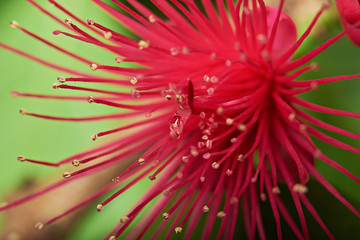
[(350, 18), (213, 117)]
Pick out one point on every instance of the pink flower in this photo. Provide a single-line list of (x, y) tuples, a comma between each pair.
[(213, 115), (350, 18)]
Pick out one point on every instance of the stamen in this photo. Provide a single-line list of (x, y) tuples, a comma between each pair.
[(152, 19), (94, 137), (215, 165), (205, 209), (165, 216), (99, 207), (93, 66), (276, 190), (124, 219), (14, 24), (22, 111), (90, 22), (21, 158), (143, 44), (178, 230), (119, 60), (66, 175), (299, 188), (241, 127), (39, 226)]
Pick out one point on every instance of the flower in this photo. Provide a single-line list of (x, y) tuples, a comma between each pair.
[(213, 115), (350, 14)]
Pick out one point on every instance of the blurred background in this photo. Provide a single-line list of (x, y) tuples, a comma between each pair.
[(53, 141)]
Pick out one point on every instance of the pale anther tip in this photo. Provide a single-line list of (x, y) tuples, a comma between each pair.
[(39, 226), (14, 24), (21, 158)]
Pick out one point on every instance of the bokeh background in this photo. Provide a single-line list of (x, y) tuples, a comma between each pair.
[(52, 141)]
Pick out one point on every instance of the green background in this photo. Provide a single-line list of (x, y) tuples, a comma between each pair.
[(53, 141)]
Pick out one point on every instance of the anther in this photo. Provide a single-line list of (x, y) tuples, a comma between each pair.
[(194, 152), (178, 230), (220, 110), (261, 38), (133, 80), (168, 97), (299, 188), (119, 59), (233, 140), (206, 78), (185, 50), (207, 155), (202, 179), (314, 85), (174, 51), (185, 159), (209, 144), (39, 226), (210, 91), (134, 93), (14, 24), (179, 175), (165, 216), (234, 200), (229, 121), (141, 161), (90, 99), (214, 79), (107, 35), (66, 175), (94, 136), (202, 115), (68, 21), (327, 4), (15, 93), (99, 207), (263, 197), (55, 86), (302, 128), (22, 111), (229, 172), (143, 44), (205, 137), (240, 157), (276, 190), (221, 214), (205, 209), (152, 19), (61, 79), (21, 158), (90, 22), (112, 238), (292, 117), (152, 177), (93, 66), (124, 219), (75, 163), (241, 127), (265, 54), (215, 165), (317, 153)]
